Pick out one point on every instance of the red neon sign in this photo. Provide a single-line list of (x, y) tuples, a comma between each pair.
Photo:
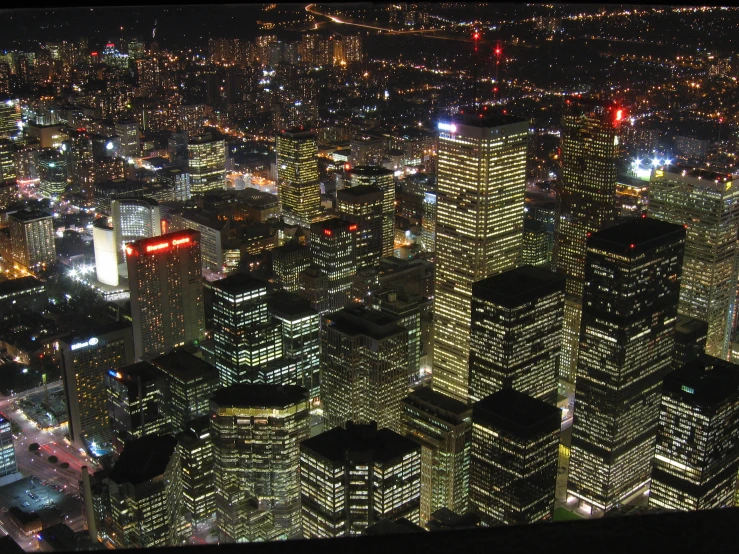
[(177, 242), (353, 227), (328, 232), (157, 247)]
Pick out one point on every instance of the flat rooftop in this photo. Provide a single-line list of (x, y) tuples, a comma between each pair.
[(143, 459), (29, 215), (428, 396), (260, 396), (705, 381), (637, 235), (370, 170), (22, 284), (358, 320), (185, 366), (519, 286), (288, 305), (238, 283), (517, 413), (339, 444)]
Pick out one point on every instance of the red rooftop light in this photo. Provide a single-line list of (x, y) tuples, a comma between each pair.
[(328, 232), (353, 227)]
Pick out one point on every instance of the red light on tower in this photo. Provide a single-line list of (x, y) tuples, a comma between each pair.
[(353, 227), (476, 35), (129, 250), (498, 51), (619, 115), (328, 232)]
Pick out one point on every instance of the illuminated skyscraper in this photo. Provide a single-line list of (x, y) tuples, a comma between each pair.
[(7, 451), (697, 455), (633, 275), (384, 180), (52, 172), (195, 447), (32, 239), (332, 245), (479, 228), (443, 428), (256, 430), (287, 263), (516, 333), (298, 185), (515, 449), (362, 205), (428, 222), (7, 160), (351, 478), (135, 219), (87, 356), (585, 203), (707, 204), (166, 283), (106, 252), (207, 164), (364, 360)]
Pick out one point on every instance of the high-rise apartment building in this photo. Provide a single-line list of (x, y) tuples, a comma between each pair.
[(128, 131), (697, 455), (256, 432), (516, 333), (332, 245), (166, 283), (708, 206), (585, 202), (195, 447), (443, 428), (515, 450), (32, 239), (384, 180), (633, 274), (352, 478), (479, 228), (364, 357), (298, 184), (87, 355), (207, 164), (363, 206)]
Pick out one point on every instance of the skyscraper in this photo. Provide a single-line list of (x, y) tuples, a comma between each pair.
[(384, 180), (332, 251), (256, 430), (8, 465), (690, 340), (164, 275), (32, 239), (207, 163), (87, 355), (585, 202), (362, 205), (697, 454), (106, 252), (479, 228), (707, 204), (298, 185), (351, 478), (364, 357), (443, 428), (515, 449), (633, 274), (428, 222), (516, 333), (135, 219), (195, 447)]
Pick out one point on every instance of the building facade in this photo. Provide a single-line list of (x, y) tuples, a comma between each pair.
[(32, 239), (298, 184)]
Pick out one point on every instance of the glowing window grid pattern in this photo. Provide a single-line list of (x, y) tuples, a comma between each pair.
[(382, 179), (298, 184), (207, 165)]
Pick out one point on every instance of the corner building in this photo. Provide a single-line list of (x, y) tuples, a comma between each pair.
[(479, 228), (626, 345)]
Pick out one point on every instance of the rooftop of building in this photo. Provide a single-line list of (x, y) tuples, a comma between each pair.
[(298, 133), (388, 527), (206, 219), (360, 192), (485, 118), (167, 239), (185, 366), (358, 320), (338, 444), (238, 283), (517, 413), (428, 396), (370, 170), (290, 306), (687, 325), (143, 370), (30, 215), (13, 286), (636, 235), (138, 201), (534, 225), (143, 459), (260, 396), (84, 329), (698, 173), (331, 224), (705, 380), (519, 286)]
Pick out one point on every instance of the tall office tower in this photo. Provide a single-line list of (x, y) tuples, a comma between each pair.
[(52, 172), (9, 118), (690, 340), (256, 430), (245, 337), (106, 252), (332, 251), (362, 205), (144, 494), (8, 465), (32, 238), (516, 333), (707, 204), (135, 219), (515, 452), (585, 203), (301, 326), (384, 180), (406, 308), (7, 160), (697, 455), (207, 164), (633, 274), (195, 447), (135, 403), (351, 478), (189, 383), (479, 228), (164, 275), (177, 181), (428, 222), (364, 358), (443, 428), (287, 263), (86, 357), (298, 185), (535, 242), (128, 131)]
